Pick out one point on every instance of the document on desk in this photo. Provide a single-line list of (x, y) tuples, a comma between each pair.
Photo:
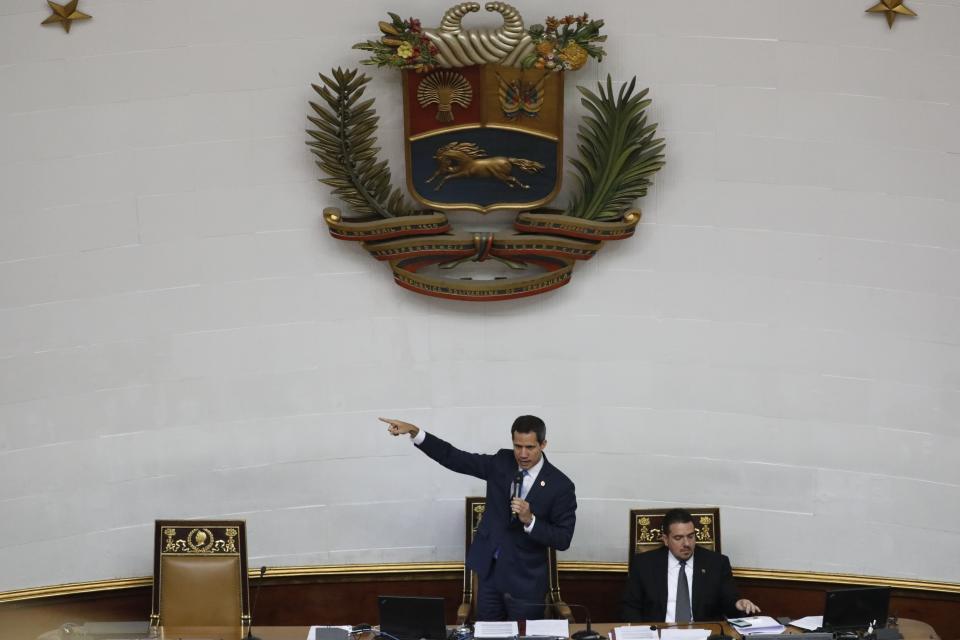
[(551, 628), (684, 634), (808, 623), (634, 633), (508, 629), (756, 624)]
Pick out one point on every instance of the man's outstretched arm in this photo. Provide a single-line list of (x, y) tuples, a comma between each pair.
[(472, 464)]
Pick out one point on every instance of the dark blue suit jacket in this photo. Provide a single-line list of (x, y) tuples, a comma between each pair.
[(552, 500)]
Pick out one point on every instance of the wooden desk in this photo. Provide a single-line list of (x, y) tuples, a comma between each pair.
[(911, 630)]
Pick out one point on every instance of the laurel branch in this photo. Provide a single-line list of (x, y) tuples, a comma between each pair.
[(345, 145)]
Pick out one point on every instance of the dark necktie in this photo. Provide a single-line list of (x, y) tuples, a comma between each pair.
[(684, 613)]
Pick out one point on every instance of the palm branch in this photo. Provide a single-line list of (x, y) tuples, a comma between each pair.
[(618, 153)]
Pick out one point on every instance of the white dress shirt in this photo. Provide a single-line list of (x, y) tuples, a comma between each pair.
[(673, 574), (528, 479)]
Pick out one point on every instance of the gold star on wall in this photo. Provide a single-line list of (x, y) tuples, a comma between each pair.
[(891, 8), (65, 14)]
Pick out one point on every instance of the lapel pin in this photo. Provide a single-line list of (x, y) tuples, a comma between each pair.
[(543, 483)]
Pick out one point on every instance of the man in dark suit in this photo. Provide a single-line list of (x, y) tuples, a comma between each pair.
[(509, 550), (681, 582)]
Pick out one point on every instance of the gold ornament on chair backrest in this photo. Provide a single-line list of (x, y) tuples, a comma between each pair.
[(703, 532), (478, 510), (645, 535)]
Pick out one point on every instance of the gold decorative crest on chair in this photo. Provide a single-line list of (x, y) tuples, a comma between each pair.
[(554, 607), (200, 574), (646, 529)]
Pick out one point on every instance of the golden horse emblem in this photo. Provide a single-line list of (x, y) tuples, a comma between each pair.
[(467, 160)]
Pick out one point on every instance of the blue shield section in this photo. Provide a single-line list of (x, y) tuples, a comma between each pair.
[(487, 192)]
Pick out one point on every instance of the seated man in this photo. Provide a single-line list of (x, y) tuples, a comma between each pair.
[(681, 582)]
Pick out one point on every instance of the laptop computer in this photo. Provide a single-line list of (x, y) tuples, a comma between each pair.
[(858, 608), (412, 618)]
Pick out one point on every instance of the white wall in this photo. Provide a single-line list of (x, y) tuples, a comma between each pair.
[(180, 337)]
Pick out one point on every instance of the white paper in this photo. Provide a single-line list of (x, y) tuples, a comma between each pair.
[(757, 624), (635, 633), (808, 623), (311, 634), (508, 629), (684, 634), (749, 631), (553, 628)]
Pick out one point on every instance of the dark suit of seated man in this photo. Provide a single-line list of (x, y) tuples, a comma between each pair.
[(656, 585), (509, 549)]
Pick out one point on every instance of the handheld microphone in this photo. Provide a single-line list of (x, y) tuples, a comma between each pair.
[(583, 634), (253, 609), (517, 488)]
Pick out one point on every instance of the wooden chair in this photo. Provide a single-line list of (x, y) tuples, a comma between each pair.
[(200, 574), (554, 607), (645, 528)]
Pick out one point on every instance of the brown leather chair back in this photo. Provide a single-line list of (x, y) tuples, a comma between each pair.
[(200, 574), (553, 607), (645, 528)]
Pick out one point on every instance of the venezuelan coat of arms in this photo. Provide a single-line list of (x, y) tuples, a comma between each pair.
[(483, 131)]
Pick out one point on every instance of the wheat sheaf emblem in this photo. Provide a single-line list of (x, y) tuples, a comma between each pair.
[(445, 89)]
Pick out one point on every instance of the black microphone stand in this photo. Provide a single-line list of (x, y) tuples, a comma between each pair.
[(253, 609), (588, 633)]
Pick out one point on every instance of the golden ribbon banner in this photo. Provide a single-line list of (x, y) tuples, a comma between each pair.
[(551, 241)]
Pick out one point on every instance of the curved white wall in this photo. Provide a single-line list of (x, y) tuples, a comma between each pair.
[(179, 337)]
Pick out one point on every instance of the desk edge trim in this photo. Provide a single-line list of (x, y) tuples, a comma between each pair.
[(78, 588)]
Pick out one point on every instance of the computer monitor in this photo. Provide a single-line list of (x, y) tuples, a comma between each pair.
[(410, 618), (858, 608)]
